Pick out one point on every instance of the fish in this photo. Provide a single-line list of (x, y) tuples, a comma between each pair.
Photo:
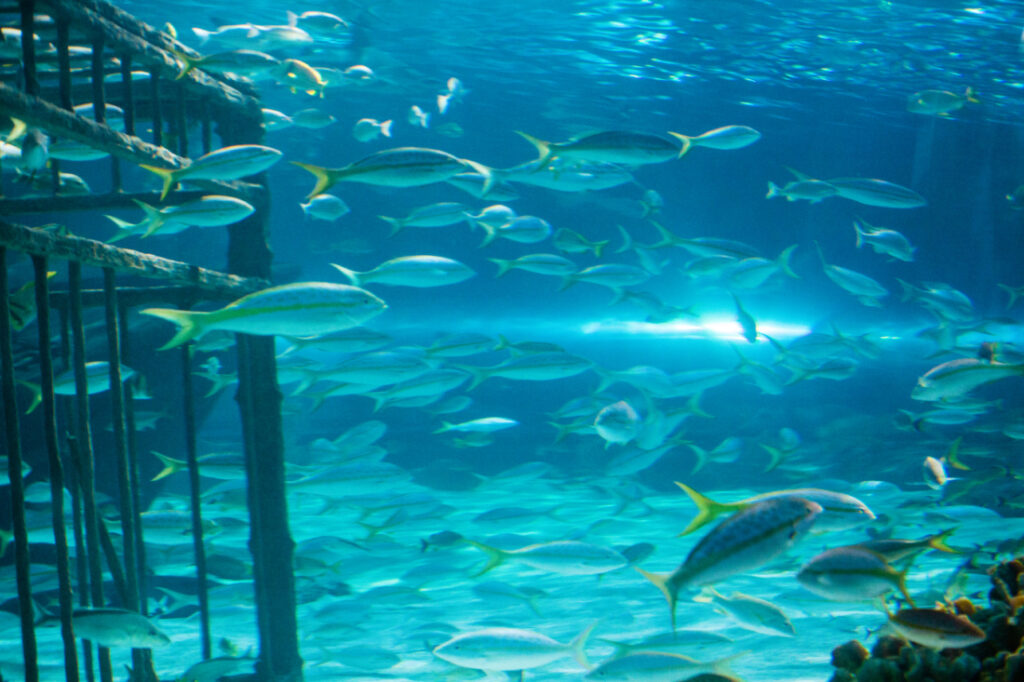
[(540, 263), (522, 229), (226, 163), (212, 210), (874, 192), (867, 290), (839, 510), (613, 146), (275, 120), (369, 129), (726, 452), (746, 321), (894, 549), (22, 304), (545, 366), (659, 666), (936, 629), (852, 574), (440, 214), (481, 186), (953, 380), (948, 303), (325, 207), (418, 118), (809, 190), (217, 667), (299, 76), (618, 423), (935, 475), (299, 309), (312, 119), (399, 167), (319, 24), (615, 276), (249, 64), (482, 425), (97, 380), (940, 102), (750, 613), (569, 175), (411, 271), (743, 542), (109, 627), (510, 649), (726, 137), (565, 557), (888, 242)]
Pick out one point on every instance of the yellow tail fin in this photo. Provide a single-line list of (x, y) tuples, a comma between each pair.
[(543, 149), (663, 581), (171, 466), (188, 320), (325, 177), (495, 557), (166, 174), (685, 143), (707, 509)]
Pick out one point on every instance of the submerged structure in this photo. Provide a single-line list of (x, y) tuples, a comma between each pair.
[(138, 110)]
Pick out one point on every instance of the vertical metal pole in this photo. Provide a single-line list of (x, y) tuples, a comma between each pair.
[(127, 90), (198, 547), (81, 554), (21, 551), (56, 468), (28, 45), (86, 467), (181, 122), (133, 468), (207, 129), (158, 117), (64, 60)]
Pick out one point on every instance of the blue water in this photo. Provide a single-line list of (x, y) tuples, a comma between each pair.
[(826, 84)]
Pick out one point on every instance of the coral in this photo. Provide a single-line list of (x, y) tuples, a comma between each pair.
[(995, 660)]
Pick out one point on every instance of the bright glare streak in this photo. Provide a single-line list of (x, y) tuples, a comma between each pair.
[(726, 329)]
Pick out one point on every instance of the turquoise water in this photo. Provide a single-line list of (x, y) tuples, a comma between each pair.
[(807, 373)]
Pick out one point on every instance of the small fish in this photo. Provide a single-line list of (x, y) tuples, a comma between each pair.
[(565, 557), (369, 129), (525, 229), (618, 423), (614, 146), (418, 118), (226, 163), (211, 210), (299, 77), (312, 119), (746, 321), (726, 137), (660, 666), (953, 380), (894, 549), (22, 304), (299, 309), (275, 120), (888, 242), (319, 24), (411, 271), (851, 574), (543, 366), (936, 629), (874, 192), (809, 190), (433, 215), (510, 649), (118, 628), (540, 263), (750, 613), (400, 167), (325, 207), (940, 102), (97, 380), (743, 542), (935, 476), (864, 288), (482, 425), (246, 63)]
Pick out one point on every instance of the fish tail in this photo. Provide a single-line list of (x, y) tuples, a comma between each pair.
[(663, 581), (784, 261), (504, 265), (667, 238), (606, 379), (490, 234), (352, 275), (776, 455), (722, 666), (1011, 292), (126, 228), (908, 290), (702, 460), (485, 171), (495, 557), (686, 142), (860, 235), (576, 646), (544, 152), (445, 427), (627, 238), (154, 218), (563, 431), (619, 649), (707, 509), (694, 408), (936, 542), (171, 466), (187, 320), (567, 282), (190, 63), (479, 375), (385, 128), (901, 583), (773, 190), (971, 95), (220, 382), (325, 177), (17, 130), (6, 536), (395, 223), (166, 174), (953, 456), (599, 247), (37, 395)]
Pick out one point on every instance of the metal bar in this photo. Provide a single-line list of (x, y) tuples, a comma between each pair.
[(22, 560), (28, 45), (133, 461), (182, 121), (61, 123), (95, 202), (81, 566), (192, 450), (117, 410), (156, 107), (64, 62), (56, 468), (99, 99), (85, 466), (207, 127), (89, 252), (127, 93)]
